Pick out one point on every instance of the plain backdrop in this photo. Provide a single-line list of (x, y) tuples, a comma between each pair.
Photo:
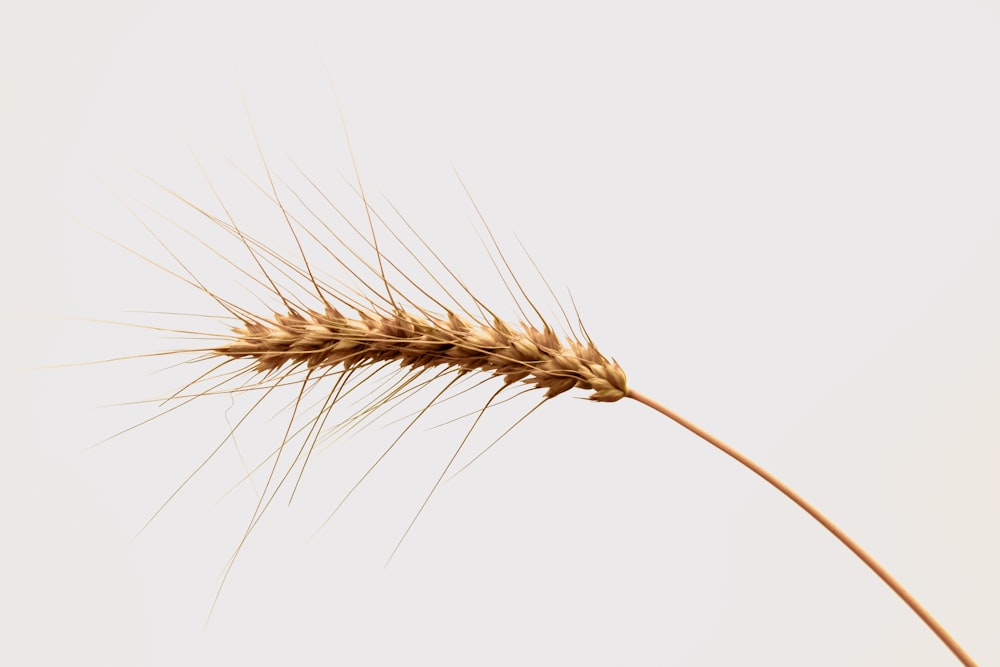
[(781, 218)]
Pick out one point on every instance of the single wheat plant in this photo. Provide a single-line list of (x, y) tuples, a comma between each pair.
[(387, 338)]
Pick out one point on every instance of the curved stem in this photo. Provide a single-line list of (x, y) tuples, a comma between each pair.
[(882, 573)]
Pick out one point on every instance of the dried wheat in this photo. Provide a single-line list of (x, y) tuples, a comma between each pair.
[(322, 342), (525, 354)]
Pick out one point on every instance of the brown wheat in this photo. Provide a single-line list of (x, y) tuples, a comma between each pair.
[(323, 342), (525, 354)]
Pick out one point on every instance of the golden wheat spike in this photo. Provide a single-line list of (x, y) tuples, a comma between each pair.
[(305, 345), (538, 358)]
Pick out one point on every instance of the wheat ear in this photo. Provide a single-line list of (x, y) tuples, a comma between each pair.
[(320, 342), (538, 358)]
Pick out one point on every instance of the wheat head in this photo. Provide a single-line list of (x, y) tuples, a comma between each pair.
[(522, 353), (315, 343)]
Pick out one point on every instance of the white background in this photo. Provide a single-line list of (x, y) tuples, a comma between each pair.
[(781, 218)]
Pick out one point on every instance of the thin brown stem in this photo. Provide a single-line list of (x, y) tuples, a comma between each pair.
[(882, 573)]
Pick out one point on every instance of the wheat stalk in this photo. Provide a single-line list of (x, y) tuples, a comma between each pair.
[(387, 329)]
